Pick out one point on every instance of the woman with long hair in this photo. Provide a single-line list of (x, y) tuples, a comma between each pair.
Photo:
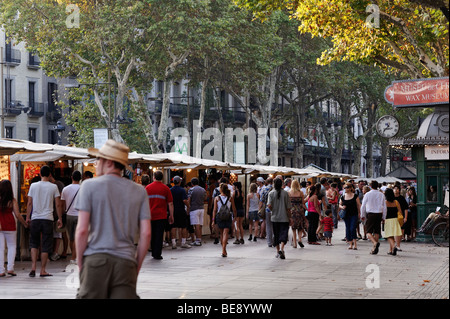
[(313, 215), (298, 213), (252, 211), (411, 199), (224, 198), (352, 206), (280, 206), (392, 227), (239, 202), (8, 207)]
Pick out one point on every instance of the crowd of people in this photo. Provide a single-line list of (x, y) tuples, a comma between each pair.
[(112, 222)]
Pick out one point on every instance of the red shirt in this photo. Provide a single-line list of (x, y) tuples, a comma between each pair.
[(7, 220), (328, 224), (159, 196)]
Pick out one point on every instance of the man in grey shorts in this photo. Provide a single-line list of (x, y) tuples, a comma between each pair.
[(373, 208), (111, 211)]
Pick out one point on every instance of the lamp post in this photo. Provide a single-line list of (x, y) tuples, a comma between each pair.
[(59, 128)]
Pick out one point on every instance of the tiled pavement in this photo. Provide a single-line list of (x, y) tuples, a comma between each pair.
[(251, 271)]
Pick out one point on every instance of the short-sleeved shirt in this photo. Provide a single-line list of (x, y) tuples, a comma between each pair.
[(280, 206), (43, 194), (159, 196), (68, 195), (178, 195), (116, 206), (197, 195)]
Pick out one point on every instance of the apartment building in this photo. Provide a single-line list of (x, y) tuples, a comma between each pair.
[(29, 102)]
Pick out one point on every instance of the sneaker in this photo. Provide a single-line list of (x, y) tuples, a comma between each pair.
[(186, 246), (282, 256), (197, 243), (174, 246), (54, 257), (236, 242)]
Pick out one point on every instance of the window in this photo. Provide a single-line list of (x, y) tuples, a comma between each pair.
[(31, 94), (9, 131), (432, 189), (32, 134)]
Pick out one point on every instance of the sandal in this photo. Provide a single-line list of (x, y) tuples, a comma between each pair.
[(12, 273), (32, 273)]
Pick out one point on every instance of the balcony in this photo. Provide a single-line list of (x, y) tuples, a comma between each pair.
[(11, 57), (33, 62), (35, 109), (12, 108)]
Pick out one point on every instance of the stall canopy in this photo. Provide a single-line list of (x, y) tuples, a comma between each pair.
[(11, 146), (26, 151)]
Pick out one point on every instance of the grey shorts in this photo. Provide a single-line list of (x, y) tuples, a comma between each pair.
[(71, 226)]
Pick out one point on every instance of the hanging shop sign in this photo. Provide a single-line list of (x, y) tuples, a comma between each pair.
[(420, 92)]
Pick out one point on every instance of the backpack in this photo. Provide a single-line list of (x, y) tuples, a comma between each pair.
[(224, 213)]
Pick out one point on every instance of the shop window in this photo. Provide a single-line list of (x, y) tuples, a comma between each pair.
[(432, 195)]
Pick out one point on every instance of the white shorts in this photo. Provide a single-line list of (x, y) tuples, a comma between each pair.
[(196, 217)]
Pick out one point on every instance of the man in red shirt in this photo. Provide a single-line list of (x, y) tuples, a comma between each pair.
[(160, 198)]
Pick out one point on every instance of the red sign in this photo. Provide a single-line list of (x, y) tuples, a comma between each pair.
[(421, 92)]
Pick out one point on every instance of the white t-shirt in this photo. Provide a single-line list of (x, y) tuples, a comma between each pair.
[(43, 194), (68, 194)]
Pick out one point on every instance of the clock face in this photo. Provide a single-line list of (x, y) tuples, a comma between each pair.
[(387, 126)]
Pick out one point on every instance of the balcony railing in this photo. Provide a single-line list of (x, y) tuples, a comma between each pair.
[(12, 108), (35, 109), (11, 56), (33, 61)]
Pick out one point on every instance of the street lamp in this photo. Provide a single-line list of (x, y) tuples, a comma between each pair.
[(59, 128)]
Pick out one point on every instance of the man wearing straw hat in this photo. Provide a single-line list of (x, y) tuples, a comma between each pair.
[(112, 210)]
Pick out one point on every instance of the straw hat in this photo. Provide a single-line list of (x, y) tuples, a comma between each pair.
[(113, 151)]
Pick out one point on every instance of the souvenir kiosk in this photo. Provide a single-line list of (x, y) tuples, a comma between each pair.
[(430, 148)]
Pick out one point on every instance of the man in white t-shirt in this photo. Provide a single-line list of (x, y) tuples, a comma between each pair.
[(40, 219), (68, 196)]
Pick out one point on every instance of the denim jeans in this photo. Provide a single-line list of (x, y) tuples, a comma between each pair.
[(350, 227), (334, 213)]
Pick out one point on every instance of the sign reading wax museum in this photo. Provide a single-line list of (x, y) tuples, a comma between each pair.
[(420, 92), (437, 152)]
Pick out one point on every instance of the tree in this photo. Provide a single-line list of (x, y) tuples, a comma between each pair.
[(111, 42), (411, 36)]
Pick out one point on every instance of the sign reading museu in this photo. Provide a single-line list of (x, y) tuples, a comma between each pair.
[(420, 92)]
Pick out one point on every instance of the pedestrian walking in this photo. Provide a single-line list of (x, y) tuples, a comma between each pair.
[(239, 202), (373, 210), (406, 227), (349, 202), (280, 206), (252, 212), (41, 196), (411, 199), (314, 215), (197, 196), (111, 211), (68, 196), (299, 221), (333, 200), (160, 198), (392, 228), (224, 210), (8, 229), (180, 201), (263, 199), (328, 226)]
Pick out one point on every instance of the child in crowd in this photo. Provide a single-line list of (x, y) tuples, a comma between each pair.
[(328, 227)]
